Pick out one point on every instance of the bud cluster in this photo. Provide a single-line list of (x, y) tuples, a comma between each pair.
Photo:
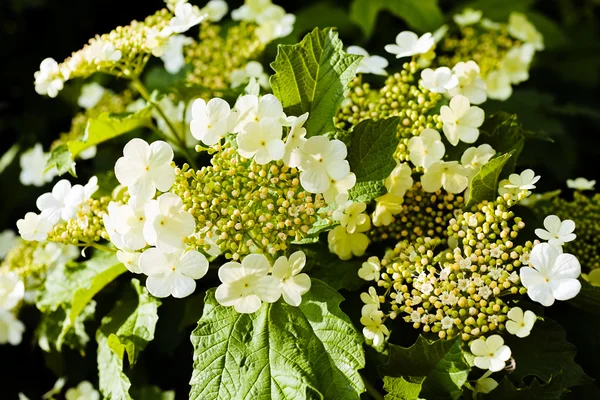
[(86, 227)]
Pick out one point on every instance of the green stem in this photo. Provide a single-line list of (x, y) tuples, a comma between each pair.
[(180, 141), (371, 389), (97, 246)]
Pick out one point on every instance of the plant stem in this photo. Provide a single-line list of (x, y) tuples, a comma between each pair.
[(371, 389), (97, 246), (180, 141)]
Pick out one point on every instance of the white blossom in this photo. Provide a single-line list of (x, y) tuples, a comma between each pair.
[(520, 323), (498, 85), (439, 80), (274, 23), (490, 353), (131, 260), (172, 274), (551, 275), (387, 206), (526, 180), (320, 161), (349, 214), (426, 149), (253, 69), (369, 64), (172, 53), (447, 322), (369, 271), (461, 120), (520, 28), (11, 329), (450, 175), (34, 227), (250, 108), (293, 283), (580, 184), (12, 290), (84, 391), (91, 93), (470, 83), (262, 141), (129, 223), (210, 121), (186, 17), (33, 167), (475, 157), (557, 232), (145, 168), (295, 138), (167, 223), (374, 329), (515, 64), (245, 286), (215, 10), (345, 244), (50, 78), (337, 187), (467, 17), (409, 44), (250, 10)]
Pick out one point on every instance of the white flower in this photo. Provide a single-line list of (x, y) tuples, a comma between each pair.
[(102, 51), (172, 274), (450, 175), (345, 244), (374, 329), (349, 214), (91, 93), (337, 187), (520, 323), (498, 85), (274, 23), (11, 329), (399, 180), (245, 286), (88, 153), (322, 160), (156, 40), (50, 78), (215, 10), (461, 120), (439, 80), (427, 148), (369, 64), (33, 167), (250, 10), (551, 275), (557, 232), (295, 139), (490, 353), (12, 290), (167, 223), (145, 168), (250, 109), (110, 221), (293, 283), (369, 271), (84, 391), (131, 260), (447, 322), (470, 83), (524, 181), (409, 44), (520, 28), (210, 121), (253, 69), (8, 240), (580, 184), (262, 140), (515, 63), (172, 53), (467, 17), (186, 17), (34, 227), (52, 205), (388, 205), (129, 222), (475, 157)]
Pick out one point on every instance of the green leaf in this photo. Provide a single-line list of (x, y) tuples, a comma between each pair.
[(8, 157), (279, 352), (129, 327), (484, 185), (544, 354), (553, 390), (312, 76), (64, 281), (326, 266), (440, 364), (588, 298), (62, 159), (152, 393), (108, 126), (84, 295), (402, 389), (371, 156), (504, 132), (51, 325), (419, 15)]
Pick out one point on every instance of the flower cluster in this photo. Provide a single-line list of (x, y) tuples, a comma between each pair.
[(503, 51)]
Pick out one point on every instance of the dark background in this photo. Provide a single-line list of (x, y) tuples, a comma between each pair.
[(560, 100)]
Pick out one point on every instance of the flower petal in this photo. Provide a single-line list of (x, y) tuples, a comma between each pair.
[(137, 151), (565, 289), (248, 304), (256, 264), (193, 264), (542, 294), (159, 286), (153, 262), (268, 288), (183, 286)]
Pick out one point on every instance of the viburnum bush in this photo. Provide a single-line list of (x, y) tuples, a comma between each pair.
[(326, 224)]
